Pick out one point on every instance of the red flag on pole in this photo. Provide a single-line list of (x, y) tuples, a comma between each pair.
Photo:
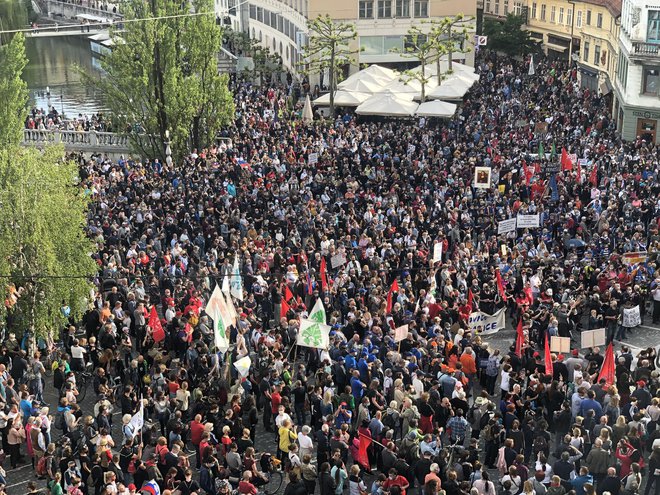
[(189, 331), (520, 338), (394, 289), (593, 177), (607, 371), (578, 169), (288, 295), (566, 162), (156, 328), (469, 299), (324, 275), (363, 456), (548, 358), (284, 308), (500, 285)]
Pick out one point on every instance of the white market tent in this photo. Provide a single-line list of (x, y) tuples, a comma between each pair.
[(411, 86), (452, 88), (457, 68), (380, 72), (436, 108), (388, 105), (343, 98), (373, 74), (361, 85)]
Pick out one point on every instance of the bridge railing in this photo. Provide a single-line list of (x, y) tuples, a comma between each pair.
[(76, 140)]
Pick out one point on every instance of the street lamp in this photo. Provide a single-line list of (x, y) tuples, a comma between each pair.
[(168, 150)]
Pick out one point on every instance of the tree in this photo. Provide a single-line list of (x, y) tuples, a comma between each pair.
[(449, 36), (418, 45), (329, 48), (13, 91), (162, 76), (510, 37), (44, 251)]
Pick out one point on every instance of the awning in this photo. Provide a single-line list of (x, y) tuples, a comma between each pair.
[(557, 48), (589, 71), (605, 87)]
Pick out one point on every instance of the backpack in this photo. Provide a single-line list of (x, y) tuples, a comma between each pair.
[(540, 444), (484, 420), (388, 421), (42, 466), (59, 420)]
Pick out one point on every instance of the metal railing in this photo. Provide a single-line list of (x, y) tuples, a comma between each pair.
[(643, 49)]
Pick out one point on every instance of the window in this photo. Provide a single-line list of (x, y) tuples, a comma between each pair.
[(253, 12), (585, 52), (622, 71), (517, 9), (506, 7), (421, 8), (497, 8), (553, 13), (403, 8), (588, 17), (488, 7), (410, 42), (392, 42), (384, 9), (543, 12), (651, 80), (599, 21), (534, 10), (653, 29), (578, 19), (597, 55), (569, 17), (366, 9), (561, 15)]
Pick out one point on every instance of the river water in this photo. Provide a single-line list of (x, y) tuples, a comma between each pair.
[(55, 63)]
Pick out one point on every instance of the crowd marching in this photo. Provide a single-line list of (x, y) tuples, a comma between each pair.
[(369, 240)]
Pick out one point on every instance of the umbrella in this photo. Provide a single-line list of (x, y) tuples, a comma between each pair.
[(452, 88), (436, 108), (411, 86), (343, 98), (387, 104), (307, 115), (362, 85), (380, 72)]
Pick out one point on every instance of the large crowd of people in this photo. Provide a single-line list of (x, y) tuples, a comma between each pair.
[(441, 411)]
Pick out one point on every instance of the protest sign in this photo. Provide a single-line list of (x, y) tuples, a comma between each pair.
[(437, 252), (337, 260), (560, 345), (482, 177), (528, 221), (593, 338), (400, 333), (631, 317), (312, 158), (506, 226), (484, 324)]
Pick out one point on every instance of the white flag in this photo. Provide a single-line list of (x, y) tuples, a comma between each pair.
[(217, 309), (531, 71), (137, 420), (313, 334), (318, 312), (236, 282), (243, 366)]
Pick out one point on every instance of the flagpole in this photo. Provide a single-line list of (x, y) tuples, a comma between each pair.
[(374, 441)]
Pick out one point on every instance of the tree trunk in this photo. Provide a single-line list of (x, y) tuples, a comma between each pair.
[(332, 81), (449, 50), (423, 80)]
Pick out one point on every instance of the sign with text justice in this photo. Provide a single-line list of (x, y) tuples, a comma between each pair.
[(484, 324)]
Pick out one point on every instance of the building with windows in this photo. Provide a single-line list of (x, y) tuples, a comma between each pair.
[(553, 24), (281, 25), (637, 81), (228, 12)]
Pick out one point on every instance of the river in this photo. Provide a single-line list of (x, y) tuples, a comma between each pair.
[(55, 63)]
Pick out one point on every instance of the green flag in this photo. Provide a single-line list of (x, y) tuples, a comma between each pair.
[(553, 152), (318, 312), (541, 150)]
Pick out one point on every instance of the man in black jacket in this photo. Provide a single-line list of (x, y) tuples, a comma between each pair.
[(611, 483)]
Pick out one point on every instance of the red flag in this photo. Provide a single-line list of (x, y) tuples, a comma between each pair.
[(284, 308), (593, 177), (469, 301), (189, 331), (156, 327), (520, 338), (288, 295), (394, 289), (548, 359), (566, 163), (362, 455), (324, 275), (500, 285), (578, 169), (607, 371)]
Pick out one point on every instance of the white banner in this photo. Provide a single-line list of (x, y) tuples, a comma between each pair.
[(528, 221), (631, 317), (481, 323), (437, 252), (506, 226), (312, 158), (337, 260), (400, 333)]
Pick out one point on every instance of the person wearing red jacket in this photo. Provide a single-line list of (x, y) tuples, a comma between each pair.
[(196, 430)]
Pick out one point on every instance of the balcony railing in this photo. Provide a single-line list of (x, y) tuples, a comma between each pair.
[(642, 49)]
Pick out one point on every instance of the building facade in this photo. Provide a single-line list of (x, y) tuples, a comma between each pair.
[(281, 25), (637, 81)]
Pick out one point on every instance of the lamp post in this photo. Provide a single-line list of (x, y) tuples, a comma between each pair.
[(168, 150), (570, 46)]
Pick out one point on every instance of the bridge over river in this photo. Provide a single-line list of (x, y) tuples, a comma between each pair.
[(86, 141)]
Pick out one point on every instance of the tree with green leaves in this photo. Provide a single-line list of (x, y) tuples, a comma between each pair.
[(510, 36), (162, 76), (45, 261), (329, 49), (418, 45), (13, 91), (449, 36)]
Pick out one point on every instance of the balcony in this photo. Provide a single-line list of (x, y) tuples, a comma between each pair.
[(644, 51)]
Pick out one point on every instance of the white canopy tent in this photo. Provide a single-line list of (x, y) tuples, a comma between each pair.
[(436, 108), (343, 98), (457, 69), (411, 86), (452, 88), (366, 84), (389, 105), (380, 72)]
